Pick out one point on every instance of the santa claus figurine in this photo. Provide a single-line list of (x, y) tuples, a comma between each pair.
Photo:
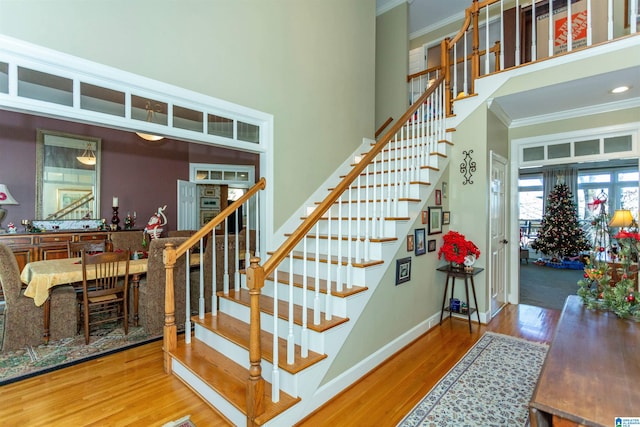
[(156, 222)]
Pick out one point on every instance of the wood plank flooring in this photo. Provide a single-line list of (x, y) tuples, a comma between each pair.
[(130, 388)]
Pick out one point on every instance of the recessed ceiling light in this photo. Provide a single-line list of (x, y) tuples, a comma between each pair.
[(620, 89)]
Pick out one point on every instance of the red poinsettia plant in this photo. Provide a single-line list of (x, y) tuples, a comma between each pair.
[(456, 247)]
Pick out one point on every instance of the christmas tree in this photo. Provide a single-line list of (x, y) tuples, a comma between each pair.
[(560, 234)]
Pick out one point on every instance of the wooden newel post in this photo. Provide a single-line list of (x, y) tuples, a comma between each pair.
[(255, 386), (170, 332), (446, 71)]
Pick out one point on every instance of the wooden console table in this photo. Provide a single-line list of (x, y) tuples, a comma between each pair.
[(592, 371), (468, 277)]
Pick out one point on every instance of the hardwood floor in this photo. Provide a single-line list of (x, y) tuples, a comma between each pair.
[(130, 388)]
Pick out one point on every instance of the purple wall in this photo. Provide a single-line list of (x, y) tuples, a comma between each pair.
[(141, 174)]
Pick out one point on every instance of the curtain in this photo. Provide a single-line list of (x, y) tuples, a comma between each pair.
[(559, 175)]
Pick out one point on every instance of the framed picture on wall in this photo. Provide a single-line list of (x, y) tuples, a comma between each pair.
[(421, 241), (210, 202), (444, 190), (403, 270), (431, 246), (435, 219), (410, 243), (446, 217), (438, 197), (425, 217)]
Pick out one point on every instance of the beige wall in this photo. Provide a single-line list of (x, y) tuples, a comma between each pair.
[(310, 64), (392, 65)]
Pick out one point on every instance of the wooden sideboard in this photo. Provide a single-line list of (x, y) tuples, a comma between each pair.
[(40, 246), (592, 371)]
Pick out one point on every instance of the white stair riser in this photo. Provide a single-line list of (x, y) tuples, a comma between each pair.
[(339, 304), (288, 382), (241, 312), (339, 247), (389, 228), (208, 394)]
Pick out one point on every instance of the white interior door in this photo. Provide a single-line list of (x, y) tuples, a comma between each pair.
[(187, 205), (498, 232)]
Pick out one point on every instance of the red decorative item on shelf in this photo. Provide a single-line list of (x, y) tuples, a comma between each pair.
[(456, 247)]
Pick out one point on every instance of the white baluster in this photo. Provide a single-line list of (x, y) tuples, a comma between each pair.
[(502, 24), (236, 264), (187, 291), (290, 338), (534, 32), (201, 277), (304, 333), (569, 27), (487, 69), (226, 256), (316, 300), (350, 240), (327, 314), (275, 373), (339, 242), (517, 33)]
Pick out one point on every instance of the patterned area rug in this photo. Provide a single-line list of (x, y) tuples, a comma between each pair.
[(34, 360), (490, 386)]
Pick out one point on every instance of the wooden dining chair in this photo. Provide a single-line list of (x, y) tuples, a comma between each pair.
[(75, 249), (105, 285), (23, 320)]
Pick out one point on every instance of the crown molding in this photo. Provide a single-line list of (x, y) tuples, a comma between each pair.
[(577, 112), (386, 5)]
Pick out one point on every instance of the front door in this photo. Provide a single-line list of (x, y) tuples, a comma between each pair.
[(498, 232)]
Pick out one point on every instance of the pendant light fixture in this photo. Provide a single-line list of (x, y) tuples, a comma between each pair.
[(88, 157), (150, 113)]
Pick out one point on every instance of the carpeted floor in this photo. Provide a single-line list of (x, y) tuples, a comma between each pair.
[(34, 360), (490, 386), (546, 286)]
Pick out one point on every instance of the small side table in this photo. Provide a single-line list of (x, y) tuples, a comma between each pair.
[(468, 277)]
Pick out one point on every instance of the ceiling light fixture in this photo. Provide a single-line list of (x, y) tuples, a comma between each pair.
[(620, 89), (150, 113), (88, 157)]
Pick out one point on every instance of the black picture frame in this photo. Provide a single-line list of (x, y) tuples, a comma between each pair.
[(420, 242), (438, 197), (403, 270), (435, 220), (431, 246)]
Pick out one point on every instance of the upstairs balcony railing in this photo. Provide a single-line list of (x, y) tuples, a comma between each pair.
[(519, 32)]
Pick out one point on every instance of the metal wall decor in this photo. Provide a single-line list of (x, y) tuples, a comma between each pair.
[(467, 167)]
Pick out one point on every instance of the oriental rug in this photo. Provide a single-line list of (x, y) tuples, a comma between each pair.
[(490, 386), (35, 360)]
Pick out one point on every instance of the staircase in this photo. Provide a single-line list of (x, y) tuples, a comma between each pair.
[(259, 357)]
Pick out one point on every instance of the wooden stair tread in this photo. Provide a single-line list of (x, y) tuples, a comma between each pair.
[(346, 202), (365, 173), (237, 331), (266, 306), (227, 378), (283, 277), (361, 187), (345, 238), (386, 218), (334, 260)]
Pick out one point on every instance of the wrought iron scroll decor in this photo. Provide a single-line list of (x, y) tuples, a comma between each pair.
[(467, 167)]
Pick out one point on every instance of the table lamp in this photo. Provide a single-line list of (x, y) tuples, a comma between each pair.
[(621, 218), (5, 199)]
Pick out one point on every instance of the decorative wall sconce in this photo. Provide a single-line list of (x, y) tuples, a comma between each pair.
[(467, 167)]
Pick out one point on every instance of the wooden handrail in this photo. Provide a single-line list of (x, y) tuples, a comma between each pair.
[(291, 242), (423, 72), (384, 125)]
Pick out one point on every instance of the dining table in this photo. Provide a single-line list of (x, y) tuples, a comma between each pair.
[(41, 276)]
